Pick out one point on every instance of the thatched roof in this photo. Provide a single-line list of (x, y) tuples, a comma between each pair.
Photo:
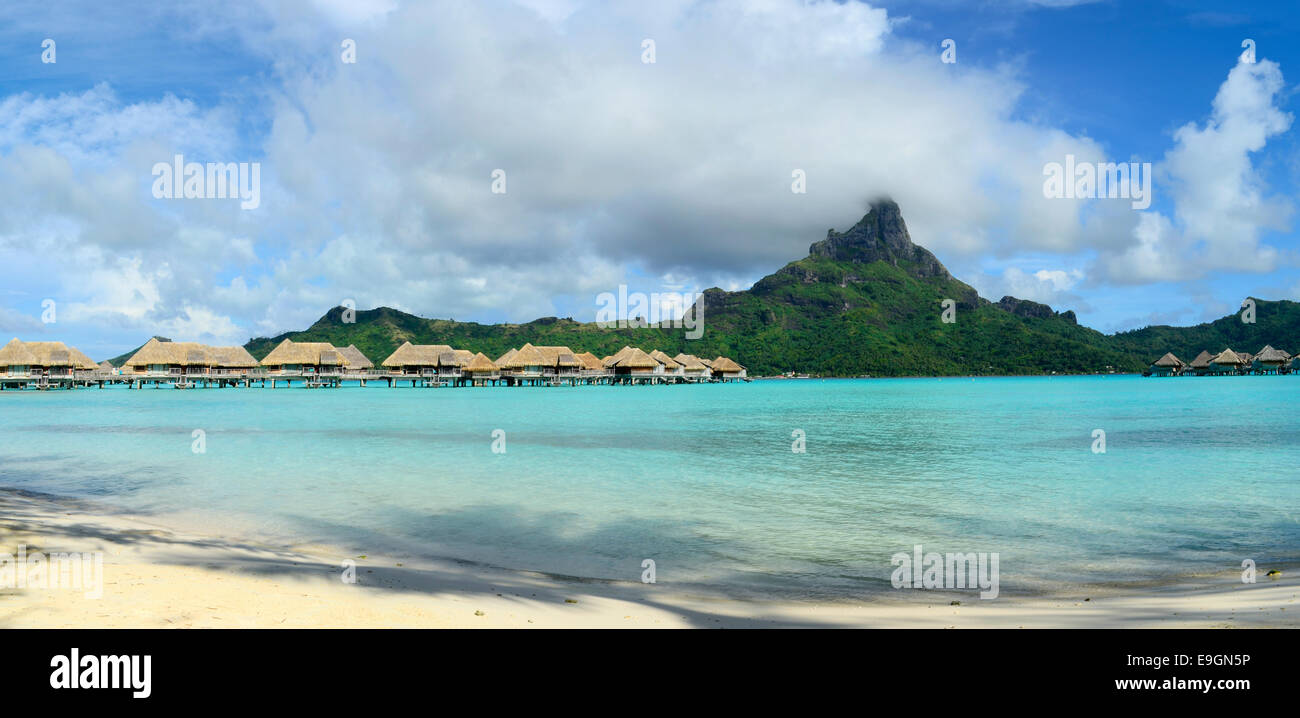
[(633, 358), (82, 360), (309, 353), (1271, 355), (1246, 357), (614, 358), (106, 365), (15, 353), (235, 357), (156, 352), (559, 356), (724, 364), (452, 358), (1202, 360), (58, 354), (669, 363), (528, 355), (355, 359), (416, 355), (191, 354), (1227, 357), (480, 364), (504, 359), (589, 361), (690, 361), (1168, 360)]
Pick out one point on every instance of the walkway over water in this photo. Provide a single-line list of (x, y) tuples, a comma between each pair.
[(257, 378)]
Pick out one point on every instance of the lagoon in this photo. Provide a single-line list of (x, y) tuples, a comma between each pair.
[(1197, 475)]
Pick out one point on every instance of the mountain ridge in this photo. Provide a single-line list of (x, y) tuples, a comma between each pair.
[(867, 300)]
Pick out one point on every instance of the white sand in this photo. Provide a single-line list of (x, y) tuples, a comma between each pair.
[(154, 577)]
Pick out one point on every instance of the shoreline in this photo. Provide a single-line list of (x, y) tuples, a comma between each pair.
[(160, 577)]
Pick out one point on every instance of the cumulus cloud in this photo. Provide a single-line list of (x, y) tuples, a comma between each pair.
[(75, 172), (377, 175), (1054, 287), (1221, 206), (680, 167)]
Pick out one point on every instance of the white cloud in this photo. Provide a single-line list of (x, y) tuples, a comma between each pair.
[(1049, 286), (1220, 202), (376, 176)]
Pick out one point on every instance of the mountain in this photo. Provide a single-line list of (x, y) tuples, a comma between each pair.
[(869, 301), (864, 301)]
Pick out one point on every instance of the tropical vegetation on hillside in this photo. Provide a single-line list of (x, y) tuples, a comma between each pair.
[(863, 302)]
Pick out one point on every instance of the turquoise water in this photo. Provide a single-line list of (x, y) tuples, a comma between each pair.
[(1198, 474)]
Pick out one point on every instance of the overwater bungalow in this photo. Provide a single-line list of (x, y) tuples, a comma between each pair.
[(16, 361), (591, 364), (44, 363), (416, 359), (231, 361), (1200, 366), (1270, 361), (692, 368), (671, 367), (561, 362), (304, 358), (1227, 362), (631, 365), (525, 366), (480, 370), (450, 363), (727, 370), (356, 361), (57, 359), (1167, 365), (609, 361), (107, 367), (181, 361)]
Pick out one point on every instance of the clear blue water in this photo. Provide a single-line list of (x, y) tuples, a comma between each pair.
[(1198, 474)]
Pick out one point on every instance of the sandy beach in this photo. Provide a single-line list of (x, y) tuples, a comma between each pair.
[(154, 577)]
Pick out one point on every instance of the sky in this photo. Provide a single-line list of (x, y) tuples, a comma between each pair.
[(505, 160)]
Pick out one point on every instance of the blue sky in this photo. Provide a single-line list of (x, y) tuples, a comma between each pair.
[(666, 176)]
